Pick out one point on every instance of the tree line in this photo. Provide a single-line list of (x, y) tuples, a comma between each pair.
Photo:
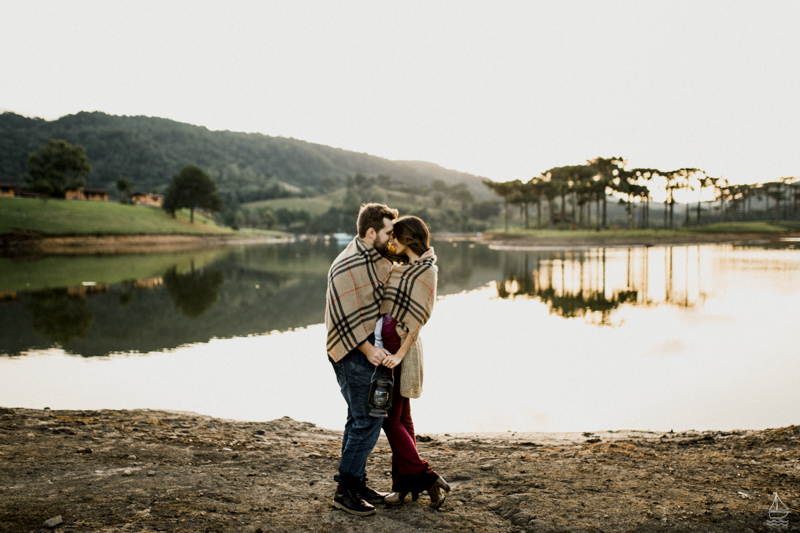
[(446, 208), (569, 194)]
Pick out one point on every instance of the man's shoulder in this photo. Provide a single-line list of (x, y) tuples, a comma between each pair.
[(356, 255)]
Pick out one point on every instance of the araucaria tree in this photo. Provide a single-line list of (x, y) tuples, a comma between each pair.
[(56, 167), (194, 189)]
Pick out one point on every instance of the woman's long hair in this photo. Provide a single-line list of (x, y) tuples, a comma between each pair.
[(411, 231)]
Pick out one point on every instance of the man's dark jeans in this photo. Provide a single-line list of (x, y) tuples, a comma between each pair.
[(361, 431)]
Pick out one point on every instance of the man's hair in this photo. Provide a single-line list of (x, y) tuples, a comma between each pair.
[(371, 216)]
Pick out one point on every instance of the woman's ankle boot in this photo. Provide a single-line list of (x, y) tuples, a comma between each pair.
[(395, 498), (438, 491)]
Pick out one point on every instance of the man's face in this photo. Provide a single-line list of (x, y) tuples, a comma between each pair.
[(384, 237)]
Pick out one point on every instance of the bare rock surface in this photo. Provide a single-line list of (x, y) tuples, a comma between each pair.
[(144, 470)]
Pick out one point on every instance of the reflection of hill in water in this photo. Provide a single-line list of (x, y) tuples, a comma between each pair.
[(150, 321), (252, 290)]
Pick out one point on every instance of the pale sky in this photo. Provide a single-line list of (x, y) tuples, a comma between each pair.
[(502, 89)]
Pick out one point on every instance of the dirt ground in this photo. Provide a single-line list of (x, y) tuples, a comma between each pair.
[(148, 470)]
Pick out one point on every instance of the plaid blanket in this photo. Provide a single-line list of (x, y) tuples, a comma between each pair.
[(411, 293), (356, 282)]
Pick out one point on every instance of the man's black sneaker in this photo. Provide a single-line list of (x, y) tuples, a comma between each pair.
[(349, 500)]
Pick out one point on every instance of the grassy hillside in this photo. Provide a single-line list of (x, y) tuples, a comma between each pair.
[(314, 206), (319, 204), (65, 217), (444, 215)]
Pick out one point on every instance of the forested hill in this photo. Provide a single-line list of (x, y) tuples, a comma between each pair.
[(148, 151)]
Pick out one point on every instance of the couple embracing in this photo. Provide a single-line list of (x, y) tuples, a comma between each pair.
[(378, 298)]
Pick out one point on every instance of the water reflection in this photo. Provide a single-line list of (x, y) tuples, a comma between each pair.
[(246, 291), (168, 302), (593, 283), (195, 292), (709, 325), (60, 315)]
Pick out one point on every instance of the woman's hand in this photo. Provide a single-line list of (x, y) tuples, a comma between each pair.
[(392, 360), (375, 355)]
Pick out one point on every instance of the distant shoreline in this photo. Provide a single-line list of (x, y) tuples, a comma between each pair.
[(13, 244), (499, 241), (121, 244), (28, 243)]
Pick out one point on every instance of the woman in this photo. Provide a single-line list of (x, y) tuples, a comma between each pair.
[(406, 307)]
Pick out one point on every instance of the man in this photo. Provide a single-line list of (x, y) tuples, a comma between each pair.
[(356, 282)]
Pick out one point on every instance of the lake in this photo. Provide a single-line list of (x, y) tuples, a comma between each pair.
[(653, 338)]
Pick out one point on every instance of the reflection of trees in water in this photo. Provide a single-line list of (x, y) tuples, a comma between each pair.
[(195, 292), (587, 283), (126, 296), (60, 315), (565, 303), (265, 289)]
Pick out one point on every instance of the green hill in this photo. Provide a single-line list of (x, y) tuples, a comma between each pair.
[(69, 217), (247, 167)]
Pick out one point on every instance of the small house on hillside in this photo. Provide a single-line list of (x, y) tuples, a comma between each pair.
[(97, 195), (9, 190), (87, 193), (14, 190), (151, 199)]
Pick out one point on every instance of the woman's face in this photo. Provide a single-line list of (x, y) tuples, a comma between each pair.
[(399, 247)]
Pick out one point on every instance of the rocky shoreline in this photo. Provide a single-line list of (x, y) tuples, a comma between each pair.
[(146, 470)]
